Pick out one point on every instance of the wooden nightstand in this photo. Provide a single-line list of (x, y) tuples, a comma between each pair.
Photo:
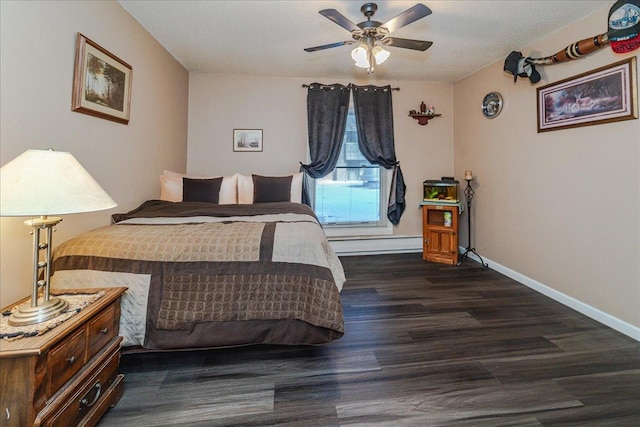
[(69, 375)]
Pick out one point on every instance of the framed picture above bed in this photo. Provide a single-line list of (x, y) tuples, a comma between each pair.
[(101, 82), (247, 140), (604, 95)]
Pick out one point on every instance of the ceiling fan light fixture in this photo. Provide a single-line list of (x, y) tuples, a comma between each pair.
[(368, 33), (380, 54)]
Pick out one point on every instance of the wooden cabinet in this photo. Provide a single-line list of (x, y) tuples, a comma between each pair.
[(67, 376), (440, 233)]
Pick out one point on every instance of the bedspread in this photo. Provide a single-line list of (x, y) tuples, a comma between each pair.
[(215, 275)]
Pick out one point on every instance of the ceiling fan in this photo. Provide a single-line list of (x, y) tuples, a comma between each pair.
[(368, 32)]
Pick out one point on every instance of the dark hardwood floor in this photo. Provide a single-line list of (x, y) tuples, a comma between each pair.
[(425, 345)]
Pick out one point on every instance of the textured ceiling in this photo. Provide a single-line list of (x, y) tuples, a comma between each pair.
[(268, 37)]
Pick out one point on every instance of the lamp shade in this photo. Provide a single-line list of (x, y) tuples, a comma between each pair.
[(361, 56), (48, 182), (380, 54)]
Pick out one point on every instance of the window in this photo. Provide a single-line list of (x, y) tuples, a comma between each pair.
[(352, 194)]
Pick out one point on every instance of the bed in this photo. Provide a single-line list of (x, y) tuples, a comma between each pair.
[(203, 275)]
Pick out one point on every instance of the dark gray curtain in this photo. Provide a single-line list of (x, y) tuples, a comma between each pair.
[(327, 108), (374, 119)]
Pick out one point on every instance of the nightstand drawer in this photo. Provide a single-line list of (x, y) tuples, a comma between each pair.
[(66, 359), (101, 330), (86, 392)]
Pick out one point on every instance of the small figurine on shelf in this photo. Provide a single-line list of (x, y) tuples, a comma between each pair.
[(424, 114)]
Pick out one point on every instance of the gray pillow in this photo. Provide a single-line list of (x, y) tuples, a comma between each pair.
[(201, 190), (267, 189)]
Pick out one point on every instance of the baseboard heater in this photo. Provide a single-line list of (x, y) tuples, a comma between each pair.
[(372, 245)]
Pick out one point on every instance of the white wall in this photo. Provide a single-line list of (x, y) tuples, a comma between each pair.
[(37, 48), (561, 208), (219, 103)]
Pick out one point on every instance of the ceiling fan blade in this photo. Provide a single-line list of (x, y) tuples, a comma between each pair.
[(406, 43), (329, 46), (340, 19), (407, 17)]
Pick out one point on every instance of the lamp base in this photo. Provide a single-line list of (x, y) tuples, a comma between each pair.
[(466, 255), (27, 315)]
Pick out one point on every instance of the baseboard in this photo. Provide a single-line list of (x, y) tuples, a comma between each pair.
[(375, 245), (595, 314)]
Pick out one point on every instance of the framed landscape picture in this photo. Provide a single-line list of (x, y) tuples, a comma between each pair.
[(247, 140), (101, 82), (604, 95)]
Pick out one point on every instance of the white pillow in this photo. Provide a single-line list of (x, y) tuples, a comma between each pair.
[(171, 187), (245, 189)]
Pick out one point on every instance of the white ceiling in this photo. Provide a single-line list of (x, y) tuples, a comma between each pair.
[(268, 37)]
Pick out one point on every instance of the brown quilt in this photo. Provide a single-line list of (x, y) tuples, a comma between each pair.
[(220, 275)]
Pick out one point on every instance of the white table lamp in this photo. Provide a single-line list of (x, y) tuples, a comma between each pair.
[(40, 183)]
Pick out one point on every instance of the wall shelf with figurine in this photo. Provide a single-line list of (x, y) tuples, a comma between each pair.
[(423, 119), (424, 115)]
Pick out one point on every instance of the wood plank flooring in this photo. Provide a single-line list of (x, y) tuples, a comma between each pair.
[(425, 345)]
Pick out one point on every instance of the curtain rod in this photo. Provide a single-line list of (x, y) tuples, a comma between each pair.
[(350, 84)]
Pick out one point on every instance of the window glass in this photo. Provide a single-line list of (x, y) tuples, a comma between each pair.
[(351, 194)]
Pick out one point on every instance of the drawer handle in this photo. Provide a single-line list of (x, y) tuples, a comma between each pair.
[(71, 360), (85, 401), (104, 331)]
